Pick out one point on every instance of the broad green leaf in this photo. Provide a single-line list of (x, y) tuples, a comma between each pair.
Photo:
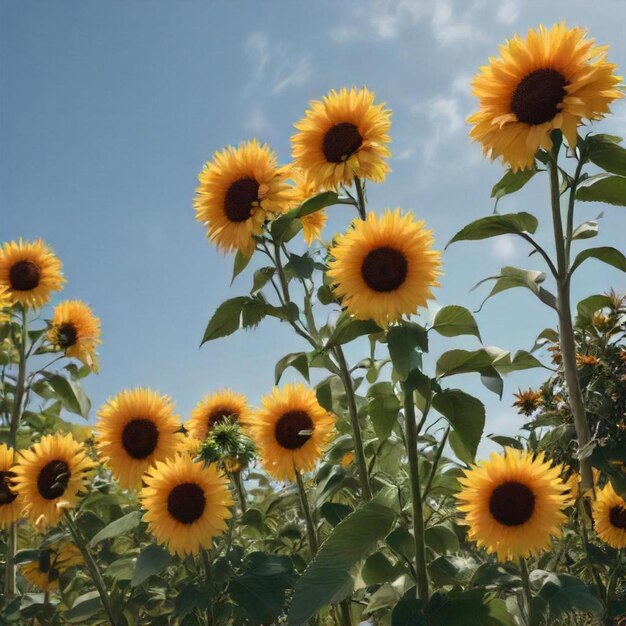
[(506, 442), (463, 361), (606, 254), (348, 329), (297, 360), (521, 360), (400, 540), (606, 154), (191, 597), (460, 449), (121, 569), (316, 203), (383, 408), (285, 228), (253, 313), (261, 277), (334, 512), (406, 343), (587, 229), (226, 319), (300, 266), (453, 320), (286, 313), (84, 606), (70, 393), (511, 182), (588, 306), (603, 188), (468, 608), (565, 593), (150, 561), (325, 295), (496, 225), (547, 335), (377, 569), (117, 527), (328, 573), (239, 265), (441, 539), (409, 611), (451, 570)]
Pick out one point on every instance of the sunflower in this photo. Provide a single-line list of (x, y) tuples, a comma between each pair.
[(552, 79), (303, 189), (11, 504), (609, 515), (186, 504), (30, 271), (5, 303), (75, 330), (384, 267), (238, 191), (513, 503), (291, 430), (136, 428), (343, 136), (53, 562), (50, 476), (215, 409), (527, 402)]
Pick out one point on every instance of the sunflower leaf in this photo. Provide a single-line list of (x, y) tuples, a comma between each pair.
[(451, 321), (317, 203), (297, 360), (511, 182), (604, 152), (151, 561), (603, 188), (117, 527), (406, 344), (496, 225), (606, 254), (348, 329), (226, 319)]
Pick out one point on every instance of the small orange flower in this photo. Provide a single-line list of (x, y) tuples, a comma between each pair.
[(527, 401)]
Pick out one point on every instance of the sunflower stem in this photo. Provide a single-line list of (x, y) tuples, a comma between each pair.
[(206, 563), (306, 511), (360, 192), (357, 437), (416, 494), (435, 465), (241, 494), (566, 332), (528, 594), (346, 618), (92, 566)]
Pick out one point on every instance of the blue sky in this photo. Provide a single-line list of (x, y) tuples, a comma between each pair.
[(109, 109)]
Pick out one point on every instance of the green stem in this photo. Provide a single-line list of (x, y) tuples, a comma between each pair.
[(612, 584), (206, 563), (360, 192), (416, 493), (357, 437), (435, 465), (566, 333), (346, 617), (306, 511), (93, 568), (528, 594), (241, 494)]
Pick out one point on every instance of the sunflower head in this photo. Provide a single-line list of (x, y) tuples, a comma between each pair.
[(384, 268), (609, 516), (239, 190), (45, 572), (50, 476), (342, 136), (11, 504), (228, 447), (291, 430), (30, 271), (303, 189), (552, 79), (186, 504), (215, 409), (136, 428), (513, 503), (527, 402), (75, 330)]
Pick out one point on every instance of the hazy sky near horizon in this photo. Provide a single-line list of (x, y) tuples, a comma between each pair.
[(109, 109)]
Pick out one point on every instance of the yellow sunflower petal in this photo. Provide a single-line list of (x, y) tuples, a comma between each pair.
[(214, 409), (609, 516), (11, 503)]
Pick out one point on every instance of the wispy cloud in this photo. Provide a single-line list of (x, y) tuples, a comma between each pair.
[(504, 248)]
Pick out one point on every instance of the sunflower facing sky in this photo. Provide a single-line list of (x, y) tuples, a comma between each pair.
[(342, 136), (186, 504), (609, 516), (513, 503), (215, 409), (384, 267), (75, 330), (11, 504), (44, 573), (554, 78), (30, 271), (136, 428), (238, 191), (303, 189), (291, 430), (50, 475)]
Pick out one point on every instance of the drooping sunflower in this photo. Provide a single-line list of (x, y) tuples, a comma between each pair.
[(11, 504), (136, 428), (609, 516), (384, 267), (30, 271), (238, 191), (553, 79), (215, 409), (50, 475), (342, 136), (186, 504), (291, 430), (76, 330), (303, 189), (44, 573), (5, 303), (513, 503)]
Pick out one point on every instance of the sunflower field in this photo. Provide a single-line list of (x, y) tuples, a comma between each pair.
[(357, 492)]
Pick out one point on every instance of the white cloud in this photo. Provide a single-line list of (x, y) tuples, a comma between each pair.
[(444, 117), (508, 11), (504, 247), (257, 122), (297, 74)]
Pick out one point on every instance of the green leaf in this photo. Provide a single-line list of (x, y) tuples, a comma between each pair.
[(316, 203), (297, 360), (496, 225), (468, 608), (455, 362), (286, 313), (150, 561), (325, 295), (441, 539), (285, 228), (400, 540), (588, 306), (465, 414), (377, 569), (239, 265), (603, 188), (383, 408), (565, 593), (328, 573), (70, 393), (348, 329), (406, 343), (453, 320), (334, 512), (547, 335), (606, 154), (521, 360), (117, 527), (226, 319), (409, 611), (84, 606), (300, 266), (261, 277), (451, 570), (587, 229), (606, 254), (511, 182), (460, 449), (253, 313)]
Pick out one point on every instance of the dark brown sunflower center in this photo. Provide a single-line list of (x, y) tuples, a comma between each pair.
[(536, 98), (140, 437), (53, 479), (512, 503), (6, 495), (241, 199), (219, 416), (67, 335), (617, 517), (384, 269), (341, 142), (293, 429), (24, 276), (186, 503)]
